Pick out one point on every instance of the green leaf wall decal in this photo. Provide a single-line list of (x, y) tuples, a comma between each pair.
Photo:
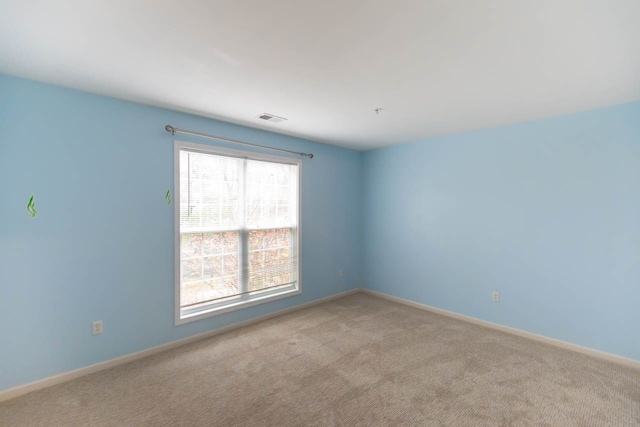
[(31, 207)]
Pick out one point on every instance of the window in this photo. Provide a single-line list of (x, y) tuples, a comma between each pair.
[(237, 229)]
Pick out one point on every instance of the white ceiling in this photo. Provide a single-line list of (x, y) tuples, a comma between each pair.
[(436, 67)]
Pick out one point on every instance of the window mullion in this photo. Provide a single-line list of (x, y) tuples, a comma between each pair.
[(244, 232)]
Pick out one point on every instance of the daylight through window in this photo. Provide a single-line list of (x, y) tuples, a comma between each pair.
[(238, 230)]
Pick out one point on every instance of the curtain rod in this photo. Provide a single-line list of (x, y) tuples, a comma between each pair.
[(173, 131)]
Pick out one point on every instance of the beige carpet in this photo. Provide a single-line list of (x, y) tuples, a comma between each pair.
[(356, 361)]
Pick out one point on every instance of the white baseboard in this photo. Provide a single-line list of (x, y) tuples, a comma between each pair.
[(70, 375), (519, 332)]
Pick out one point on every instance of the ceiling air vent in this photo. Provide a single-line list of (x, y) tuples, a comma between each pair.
[(271, 118)]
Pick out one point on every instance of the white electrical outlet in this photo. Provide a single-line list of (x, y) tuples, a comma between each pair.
[(341, 273), (97, 327), (495, 297)]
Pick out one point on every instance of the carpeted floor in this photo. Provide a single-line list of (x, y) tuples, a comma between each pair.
[(356, 361)]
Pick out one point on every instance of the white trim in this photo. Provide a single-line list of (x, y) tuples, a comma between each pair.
[(519, 332), (176, 232), (237, 306), (241, 154), (77, 373), (217, 309)]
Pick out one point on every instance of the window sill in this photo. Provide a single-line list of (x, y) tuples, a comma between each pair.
[(215, 311)]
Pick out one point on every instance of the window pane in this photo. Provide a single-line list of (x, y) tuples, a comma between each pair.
[(189, 293), (191, 245), (270, 186), (231, 241), (191, 269), (270, 261), (212, 243), (208, 290), (231, 264), (209, 191), (284, 238), (256, 261), (210, 267)]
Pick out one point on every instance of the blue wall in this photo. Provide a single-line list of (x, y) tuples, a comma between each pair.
[(101, 247), (547, 213)]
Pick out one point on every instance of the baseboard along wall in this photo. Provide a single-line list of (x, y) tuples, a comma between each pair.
[(71, 375), (68, 376), (519, 332)]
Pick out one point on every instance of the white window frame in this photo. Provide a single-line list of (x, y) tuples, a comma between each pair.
[(241, 302)]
